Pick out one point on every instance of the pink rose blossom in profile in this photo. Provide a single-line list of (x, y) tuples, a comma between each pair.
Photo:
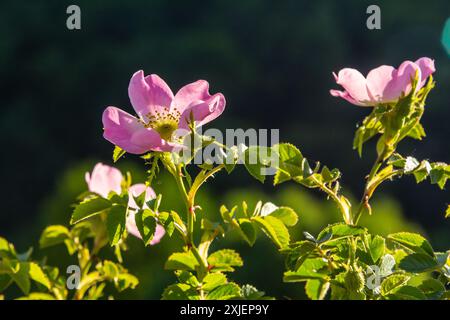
[(105, 179), (160, 114), (135, 191), (384, 84)]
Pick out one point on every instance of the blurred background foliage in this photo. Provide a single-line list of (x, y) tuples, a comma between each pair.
[(272, 60)]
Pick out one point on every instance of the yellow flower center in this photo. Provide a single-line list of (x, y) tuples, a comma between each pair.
[(164, 122)]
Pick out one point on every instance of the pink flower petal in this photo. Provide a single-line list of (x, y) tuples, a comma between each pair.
[(148, 95), (104, 179), (355, 84), (346, 96), (159, 233), (401, 82), (377, 81), (427, 68), (125, 131), (196, 91), (203, 112)]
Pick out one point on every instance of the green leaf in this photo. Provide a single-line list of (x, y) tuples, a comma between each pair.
[(286, 215), (418, 263), (225, 292), (117, 153), (432, 288), (408, 293), (316, 289), (167, 221), (249, 292), (393, 282), (125, 281), (38, 275), (257, 160), (115, 223), (412, 241), (247, 230), (181, 261), (21, 276), (417, 132), (213, 280), (225, 260), (180, 291), (37, 296), (109, 269), (340, 230), (187, 277), (376, 248), (89, 208), (53, 235), (146, 224), (310, 269), (447, 212), (274, 229), (290, 162)]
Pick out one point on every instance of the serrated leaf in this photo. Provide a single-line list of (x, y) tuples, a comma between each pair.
[(89, 208), (213, 280), (310, 269), (146, 224), (225, 292), (21, 276), (316, 289), (290, 162), (432, 288), (258, 160), (37, 296), (53, 235), (392, 282), (274, 229), (125, 281), (38, 275), (115, 223), (418, 263), (287, 215), (340, 230), (412, 241), (181, 261), (408, 293), (376, 248), (180, 291), (247, 230), (225, 260), (249, 292)]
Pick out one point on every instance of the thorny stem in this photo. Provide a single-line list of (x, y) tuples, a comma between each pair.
[(333, 195), (364, 202)]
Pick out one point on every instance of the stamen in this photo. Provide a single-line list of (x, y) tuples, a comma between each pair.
[(163, 121)]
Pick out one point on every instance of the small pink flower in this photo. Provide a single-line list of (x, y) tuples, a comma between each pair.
[(160, 113), (105, 179), (384, 84), (135, 191)]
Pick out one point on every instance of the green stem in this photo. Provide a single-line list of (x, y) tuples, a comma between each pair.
[(188, 201), (365, 198), (333, 195)]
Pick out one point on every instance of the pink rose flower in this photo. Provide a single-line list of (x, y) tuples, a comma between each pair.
[(160, 113), (105, 179), (384, 84)]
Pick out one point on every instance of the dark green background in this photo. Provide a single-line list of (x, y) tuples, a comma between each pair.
[(273, 62)]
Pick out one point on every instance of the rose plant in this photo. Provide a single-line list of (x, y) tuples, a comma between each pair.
[(343, 261)]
